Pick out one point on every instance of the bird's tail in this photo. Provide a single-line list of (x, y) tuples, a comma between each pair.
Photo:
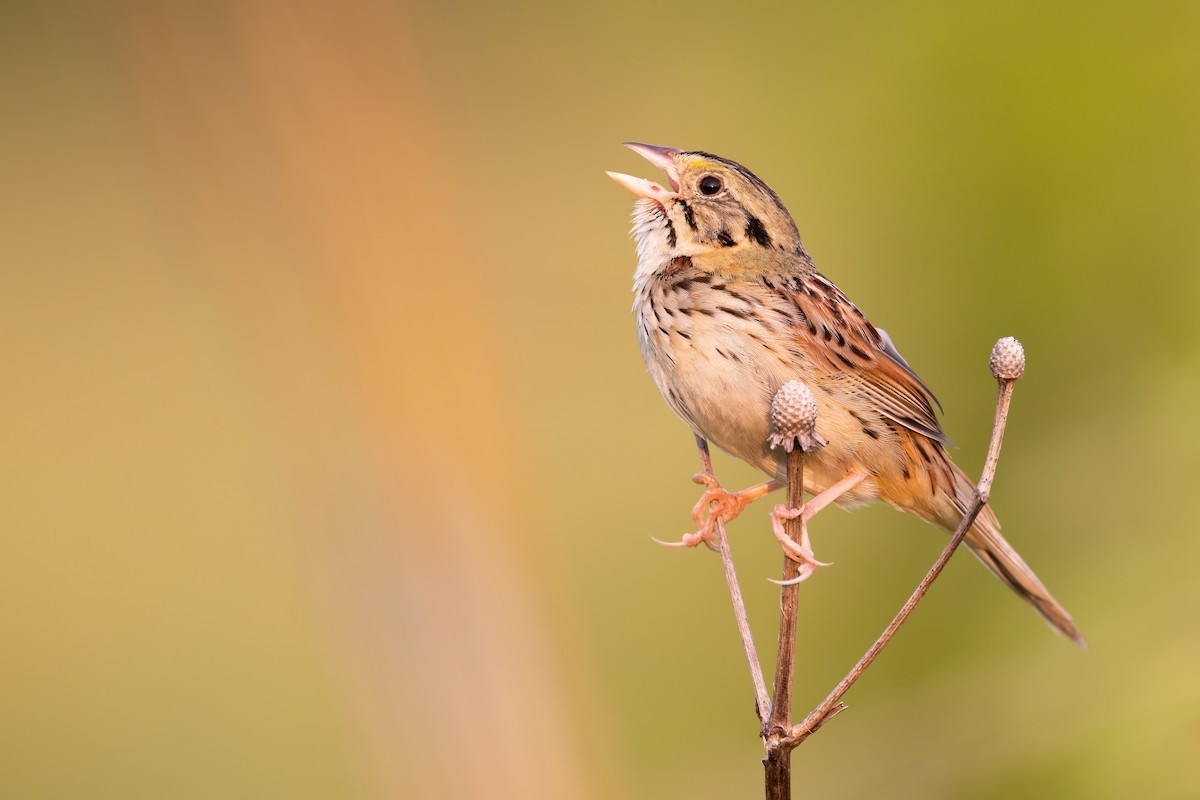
[(997, 554)]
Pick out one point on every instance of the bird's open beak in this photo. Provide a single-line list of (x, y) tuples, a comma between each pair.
[(661, 157)]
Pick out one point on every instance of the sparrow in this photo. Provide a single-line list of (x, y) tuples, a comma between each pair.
[(729, 307)]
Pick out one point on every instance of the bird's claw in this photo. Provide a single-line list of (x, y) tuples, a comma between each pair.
[(687, 540), (715, 504), (801, 551)]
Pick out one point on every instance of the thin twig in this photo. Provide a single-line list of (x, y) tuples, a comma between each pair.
[(983, 490), (762, 704), (832, 704)]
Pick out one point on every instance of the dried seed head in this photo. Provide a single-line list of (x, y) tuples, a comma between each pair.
[(794, 418), (1008, 359)]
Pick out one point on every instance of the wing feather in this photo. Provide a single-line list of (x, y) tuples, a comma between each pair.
[(862, 358)]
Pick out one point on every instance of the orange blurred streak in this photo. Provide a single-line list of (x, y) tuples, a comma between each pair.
[(295, 158)]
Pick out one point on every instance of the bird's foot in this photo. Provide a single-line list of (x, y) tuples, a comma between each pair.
[(798, 551), (717, 503)]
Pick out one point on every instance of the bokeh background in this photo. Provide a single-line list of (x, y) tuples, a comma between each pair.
[(329, 461)]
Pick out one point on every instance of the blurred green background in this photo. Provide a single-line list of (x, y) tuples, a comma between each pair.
[(330, 461)]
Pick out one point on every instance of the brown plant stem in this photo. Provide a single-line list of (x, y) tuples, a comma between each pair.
[(778, 763), (832, 704), (762, 704)]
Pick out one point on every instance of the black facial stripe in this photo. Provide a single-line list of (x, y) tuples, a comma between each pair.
[(688, 216), (671, 240), (756, 231), (725, 240)]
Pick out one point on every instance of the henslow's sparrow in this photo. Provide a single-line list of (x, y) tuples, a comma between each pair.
[(729, 308)]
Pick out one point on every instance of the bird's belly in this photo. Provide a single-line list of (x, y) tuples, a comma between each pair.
[(723, 389)]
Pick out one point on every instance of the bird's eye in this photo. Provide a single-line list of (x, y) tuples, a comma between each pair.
[(710, 185)]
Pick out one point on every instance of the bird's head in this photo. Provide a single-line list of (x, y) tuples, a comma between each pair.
[(713, 205)]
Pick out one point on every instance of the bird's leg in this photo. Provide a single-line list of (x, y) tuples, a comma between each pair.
[(801, 551), (835, 491), (705, 456), (716, 502)]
